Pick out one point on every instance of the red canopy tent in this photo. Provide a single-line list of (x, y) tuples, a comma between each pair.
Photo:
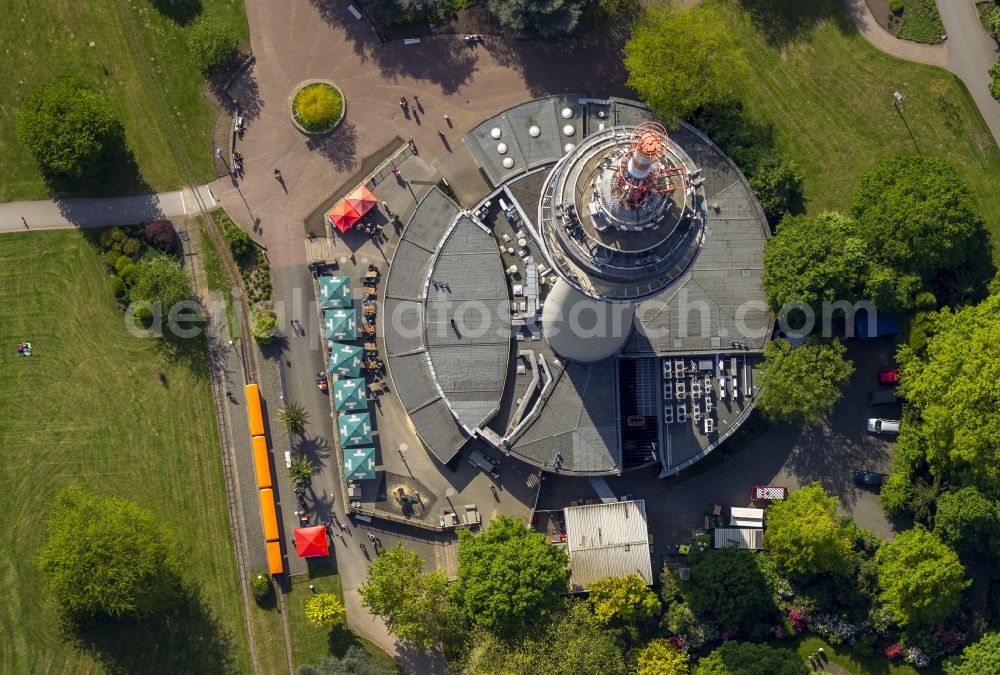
[(351, 209), (362, 200), (343, 216), (311, 541)]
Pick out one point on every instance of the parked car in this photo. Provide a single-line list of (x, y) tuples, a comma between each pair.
[(889, 376), (880, 426), (862, 477), (882, 397)]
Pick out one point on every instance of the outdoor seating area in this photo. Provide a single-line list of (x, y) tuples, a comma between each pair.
[(352, 363)]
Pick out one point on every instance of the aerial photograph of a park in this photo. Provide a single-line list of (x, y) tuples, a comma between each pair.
[(513, 337)]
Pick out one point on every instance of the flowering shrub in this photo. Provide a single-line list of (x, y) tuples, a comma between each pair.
[(833, 628), (894, 652), (949, 639), (916, 657), (728, 635), (677, 642), (879, 619), (797, 618)]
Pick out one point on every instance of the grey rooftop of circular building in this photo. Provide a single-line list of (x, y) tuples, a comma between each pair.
[(673, 379)]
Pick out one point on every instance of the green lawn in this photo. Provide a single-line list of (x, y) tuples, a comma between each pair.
[(856, 663), (51, 39), (828, 93), (109, 411), (311, 644), (216, 277)]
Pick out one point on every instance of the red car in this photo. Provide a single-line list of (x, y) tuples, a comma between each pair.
[(889, 376)]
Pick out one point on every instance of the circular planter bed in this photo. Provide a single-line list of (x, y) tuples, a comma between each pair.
[(317, 107)]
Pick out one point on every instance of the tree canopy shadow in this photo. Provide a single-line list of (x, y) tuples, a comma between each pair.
[(243, 92), (340, 146), (182, 12), (117, 173), (784, 21), (186, 639), (446, 62), (564, 66)]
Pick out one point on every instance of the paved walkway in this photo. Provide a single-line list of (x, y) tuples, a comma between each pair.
[(48, 214), (971, 53)]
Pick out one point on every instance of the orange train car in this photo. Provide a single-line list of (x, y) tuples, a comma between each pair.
[(261, 463), (269, 515), (274, 561), (255, 412)]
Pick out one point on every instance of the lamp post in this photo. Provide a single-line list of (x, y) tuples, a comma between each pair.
[(218, 155), (243, 363)]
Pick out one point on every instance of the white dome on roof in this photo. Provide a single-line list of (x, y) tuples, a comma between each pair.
[(580, 328), (495, 132), (534, 131), (508, 162), (567, 113), (569, 130), (569, 147), (502, 148)]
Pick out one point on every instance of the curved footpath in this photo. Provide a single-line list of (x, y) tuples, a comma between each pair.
[(968, 53), (971, 53)]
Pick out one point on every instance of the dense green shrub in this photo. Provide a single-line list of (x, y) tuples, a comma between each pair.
[(260, 585), (994, 73), (896, 6), (239, 242), (777, 184), (265, 322)]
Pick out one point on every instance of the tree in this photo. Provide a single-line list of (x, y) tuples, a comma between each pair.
[(923, 497), (680, 59), (68, 127), (812, 260), (160, 234), (324, 610), (968, 522), (392, 12), (804, 535), (978, 658), (726, 584), (239, 242), (415, 606), (213, 41), (573, 643), (107, 557), (917, 216), (509, 577), (659, 657), (777, 184), (300, 471), (623, 600), (921, 580), (802, 384), (952, 391), (355, 661), (991, 21), (748, 658), (537, 19), (162, 282), (293, 416), (994, 74)]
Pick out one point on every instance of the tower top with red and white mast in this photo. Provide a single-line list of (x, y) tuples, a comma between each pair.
[(623, 215)]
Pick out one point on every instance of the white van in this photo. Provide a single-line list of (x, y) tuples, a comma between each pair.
[(880, 426)]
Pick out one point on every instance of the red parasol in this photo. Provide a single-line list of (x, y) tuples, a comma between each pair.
[(311, 541), (343, 216)]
